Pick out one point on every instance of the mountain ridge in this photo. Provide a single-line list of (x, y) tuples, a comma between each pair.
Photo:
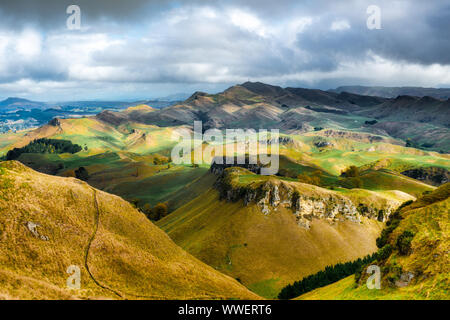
[(299, 110), (392, 92)]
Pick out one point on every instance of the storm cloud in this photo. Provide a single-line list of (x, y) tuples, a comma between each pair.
[(141, 49)]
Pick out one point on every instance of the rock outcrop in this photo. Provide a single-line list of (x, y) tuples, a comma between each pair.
[(218, 167), (54, 122), (273, 194), (364, 137), (32, 227)]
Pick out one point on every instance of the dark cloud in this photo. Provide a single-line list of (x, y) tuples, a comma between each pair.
[(51, 14), (286, 42), (416, 33)]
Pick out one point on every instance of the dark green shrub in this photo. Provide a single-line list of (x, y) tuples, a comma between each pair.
[(351, 172), (404, 242), (404, 204), (391, 225), (156, 213), (82, 174), (384, 252)]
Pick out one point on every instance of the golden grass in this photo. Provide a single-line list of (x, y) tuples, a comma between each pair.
[(128, 253), (246, 244)]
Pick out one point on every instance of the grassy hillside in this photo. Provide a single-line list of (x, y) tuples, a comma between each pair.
[(120, 159), (159, 187), (267, 251), (387, 180), (121, 254), (427, 258), (97, 135)]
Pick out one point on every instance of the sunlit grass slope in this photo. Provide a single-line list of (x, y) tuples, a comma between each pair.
[(265, 252), (428, 219), (126, 254), (97, 136), (343, 152)]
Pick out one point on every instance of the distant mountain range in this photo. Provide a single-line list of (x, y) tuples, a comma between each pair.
[(393, 92), (18, 113), (425, 121), (13, 102), (420, 118)]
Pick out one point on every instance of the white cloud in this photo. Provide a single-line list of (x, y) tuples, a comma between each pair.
[(248, 22), (208, 12), (29, 44), (340, 25)]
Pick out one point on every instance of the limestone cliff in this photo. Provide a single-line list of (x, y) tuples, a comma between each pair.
[(305, 201)]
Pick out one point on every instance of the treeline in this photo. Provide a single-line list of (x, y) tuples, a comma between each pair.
[(325, 277), (44, 146)]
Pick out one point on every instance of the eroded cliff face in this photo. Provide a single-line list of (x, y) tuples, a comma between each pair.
[(272, 194)]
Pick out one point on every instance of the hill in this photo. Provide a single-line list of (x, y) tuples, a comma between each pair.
[(392, 92), (50, 223), (132, 159), (13, 102), (300, 110), (268, 232), (263, 231), (418, 265)]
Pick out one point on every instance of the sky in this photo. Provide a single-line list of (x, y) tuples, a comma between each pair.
[(138, 49)]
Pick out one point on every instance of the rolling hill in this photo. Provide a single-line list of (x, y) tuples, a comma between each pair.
[(49, 223), (131, 159), (14, 102)]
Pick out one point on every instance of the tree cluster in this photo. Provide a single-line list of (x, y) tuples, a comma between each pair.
[(339, 271), (82, 174), (44, 146), (156, 213), (350, 172), (314, 178)]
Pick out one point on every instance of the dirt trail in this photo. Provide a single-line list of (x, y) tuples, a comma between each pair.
[(117, 293), (91, 239)]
